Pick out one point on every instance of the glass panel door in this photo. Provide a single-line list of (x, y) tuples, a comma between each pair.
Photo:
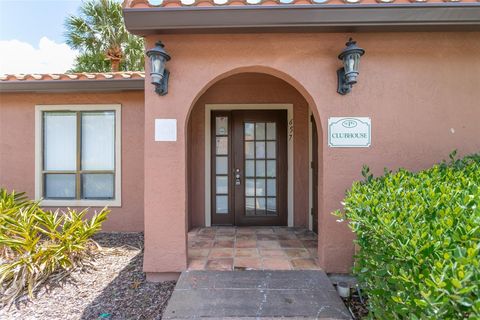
[(221, 178), (249, 167), (260, 142), (260, 162)]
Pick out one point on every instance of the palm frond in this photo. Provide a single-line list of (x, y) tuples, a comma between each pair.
[(99, 30)]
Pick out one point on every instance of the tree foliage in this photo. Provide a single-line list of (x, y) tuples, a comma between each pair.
[(99, 34)]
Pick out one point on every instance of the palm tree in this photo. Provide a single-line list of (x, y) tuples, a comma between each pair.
[(102, 39)]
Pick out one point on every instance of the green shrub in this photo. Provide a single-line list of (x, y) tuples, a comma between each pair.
[(36, 245), (419, 235)]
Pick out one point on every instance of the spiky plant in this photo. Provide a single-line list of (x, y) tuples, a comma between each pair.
[(39, 245)]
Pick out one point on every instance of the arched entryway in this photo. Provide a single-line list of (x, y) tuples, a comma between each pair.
[(249, 159), (251, 148)]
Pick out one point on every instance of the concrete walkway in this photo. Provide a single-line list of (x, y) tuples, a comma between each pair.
[(299, 294)]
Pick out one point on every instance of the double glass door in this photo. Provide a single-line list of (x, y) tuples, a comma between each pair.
[(249, 167)]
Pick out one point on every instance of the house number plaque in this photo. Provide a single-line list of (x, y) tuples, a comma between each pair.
[(290, 129)]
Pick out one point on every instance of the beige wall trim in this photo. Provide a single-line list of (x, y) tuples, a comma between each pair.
[(208, 110), (117, 202)]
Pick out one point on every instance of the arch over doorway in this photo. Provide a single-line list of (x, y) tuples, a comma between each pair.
[(255, 86), (260, 70)]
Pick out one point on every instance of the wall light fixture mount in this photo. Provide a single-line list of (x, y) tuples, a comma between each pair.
[(347, 76), (158, 73)]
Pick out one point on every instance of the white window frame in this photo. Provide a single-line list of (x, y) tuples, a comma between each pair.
[(39, 109)]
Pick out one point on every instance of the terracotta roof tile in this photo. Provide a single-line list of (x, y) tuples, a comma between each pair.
[(74, 76), (201, 3)]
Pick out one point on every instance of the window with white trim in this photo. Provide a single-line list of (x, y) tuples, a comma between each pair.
[(79, 156)]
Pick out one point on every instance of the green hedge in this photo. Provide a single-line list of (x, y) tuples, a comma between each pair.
[(418, 235)]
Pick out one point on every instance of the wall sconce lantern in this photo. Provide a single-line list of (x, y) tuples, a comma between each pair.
[(159, 74), (347, 76)]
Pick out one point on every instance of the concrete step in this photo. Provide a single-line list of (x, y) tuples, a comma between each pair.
[(255, 295)]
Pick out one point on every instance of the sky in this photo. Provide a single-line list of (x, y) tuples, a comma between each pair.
[(31, 36)]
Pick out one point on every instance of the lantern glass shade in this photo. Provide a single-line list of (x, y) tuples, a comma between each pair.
[(158, 68), (350, 63)]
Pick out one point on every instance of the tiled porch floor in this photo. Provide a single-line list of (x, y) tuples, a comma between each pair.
[(252, 248)]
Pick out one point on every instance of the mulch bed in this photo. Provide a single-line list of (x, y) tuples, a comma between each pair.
[(356, 305), (115, 289)]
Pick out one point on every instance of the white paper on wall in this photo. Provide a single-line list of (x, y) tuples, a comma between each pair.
[(165, 129)]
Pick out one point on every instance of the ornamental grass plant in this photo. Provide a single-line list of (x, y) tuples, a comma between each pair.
[(38, 245), (419, 240)]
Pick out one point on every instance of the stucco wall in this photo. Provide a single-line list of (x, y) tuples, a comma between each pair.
[(244, 89), (420, 90), (17, 147)]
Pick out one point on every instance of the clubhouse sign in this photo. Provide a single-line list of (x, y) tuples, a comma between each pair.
[(351, 132)]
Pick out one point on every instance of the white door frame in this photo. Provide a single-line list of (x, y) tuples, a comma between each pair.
[(310, 170), (267, 106)]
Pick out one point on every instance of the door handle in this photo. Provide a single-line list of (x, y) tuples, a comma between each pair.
[(237, 177)]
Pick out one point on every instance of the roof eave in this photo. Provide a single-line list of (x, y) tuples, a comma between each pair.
[(59, 86), (302, 18)]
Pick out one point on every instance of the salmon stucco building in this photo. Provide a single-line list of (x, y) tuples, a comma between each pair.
[(246, 116)]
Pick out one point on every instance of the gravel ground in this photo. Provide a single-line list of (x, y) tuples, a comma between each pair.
[(115, 289)]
